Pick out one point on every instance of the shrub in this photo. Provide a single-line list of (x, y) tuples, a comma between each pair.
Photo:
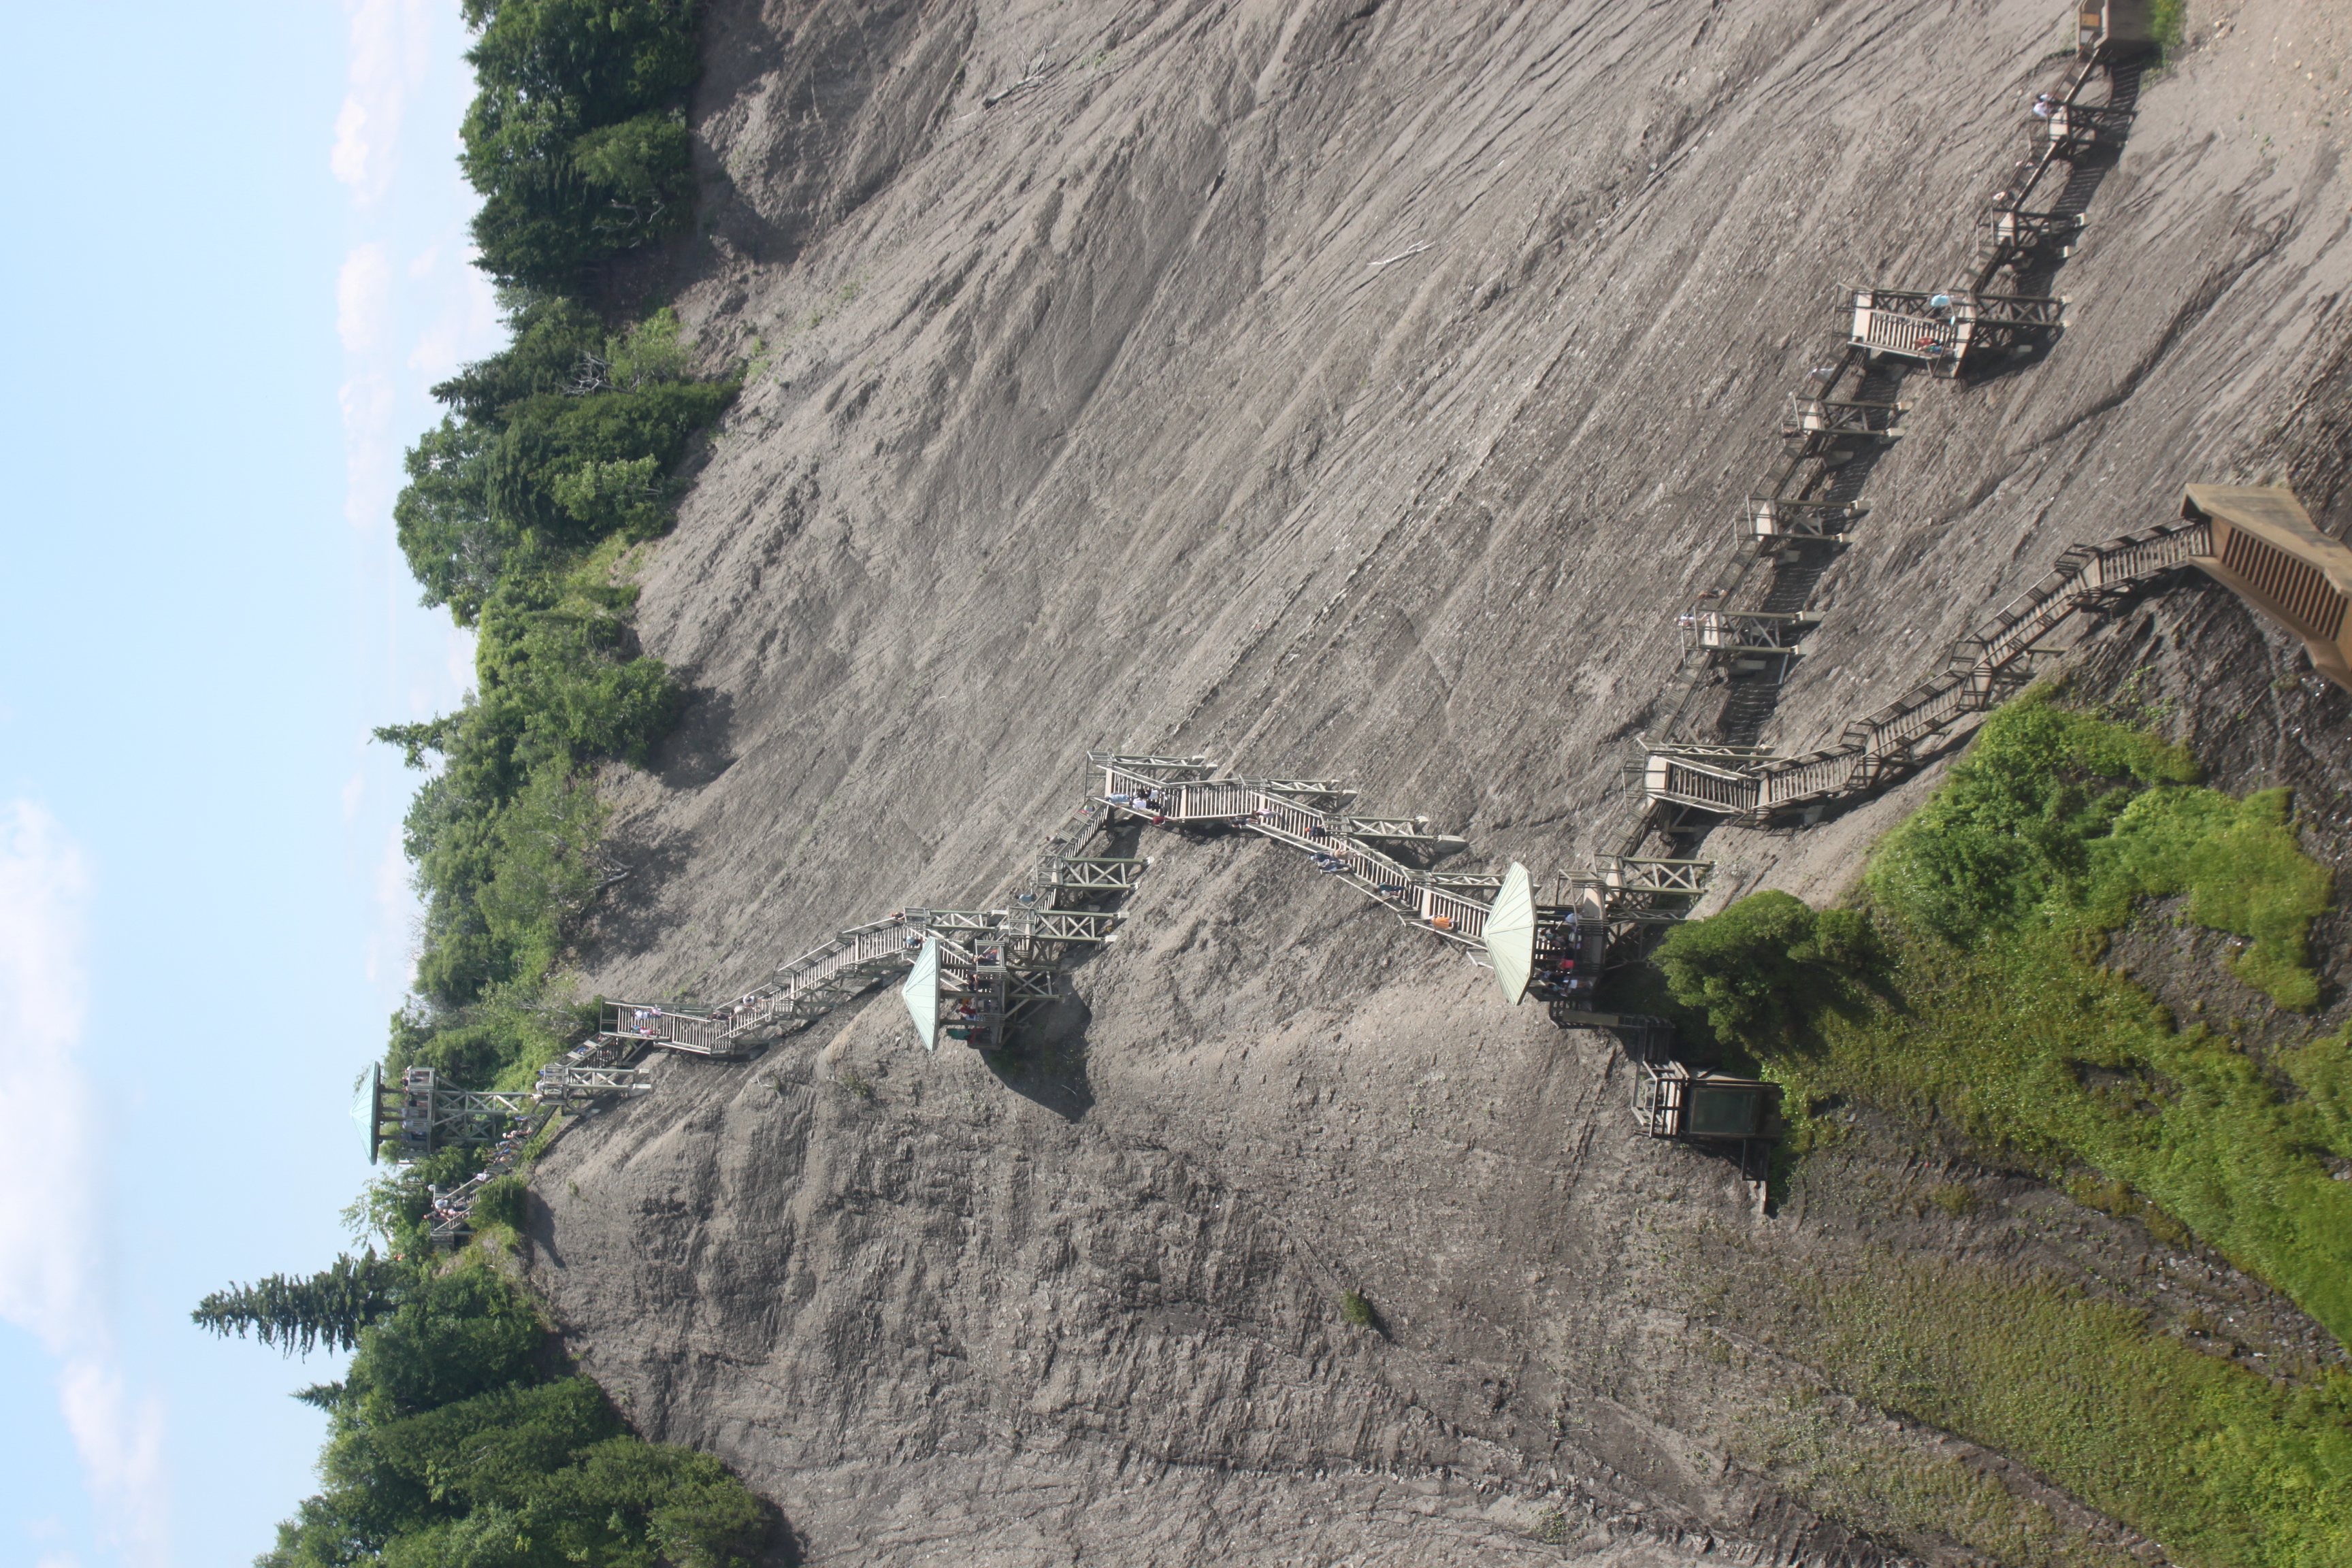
[(1755, 968), (501, 1203), (1356, 1309), (2006, 833)]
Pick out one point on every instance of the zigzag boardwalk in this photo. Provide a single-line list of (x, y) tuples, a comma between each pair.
[(1743, 635), (970, 974)]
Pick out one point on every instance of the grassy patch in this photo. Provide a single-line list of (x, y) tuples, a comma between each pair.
[(2024, 1046), (2170, 19), (1954, 1198), (1983, 1006), (2215, 1462), (1356, 1309), (1976, 1002), (1810, 1443)]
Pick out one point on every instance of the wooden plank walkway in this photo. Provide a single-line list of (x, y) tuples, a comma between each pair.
[(1692, 772), (1750, 622)]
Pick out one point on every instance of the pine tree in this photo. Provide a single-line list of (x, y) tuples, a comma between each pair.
[(329, 1309)]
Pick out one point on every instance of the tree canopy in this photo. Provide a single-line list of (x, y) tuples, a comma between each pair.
[(576, 138), (298, 1316), (1755, 967), (456, 1442)]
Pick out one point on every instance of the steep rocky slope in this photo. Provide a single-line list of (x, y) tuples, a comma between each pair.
[(1349, 389)]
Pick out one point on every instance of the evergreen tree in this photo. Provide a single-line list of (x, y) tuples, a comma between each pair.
[(329, 1309)]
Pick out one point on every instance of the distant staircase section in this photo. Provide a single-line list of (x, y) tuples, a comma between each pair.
[(1376, 855), (1751, 786), (1552, 948), (1003, 960), (422, 1115), (969, 975)]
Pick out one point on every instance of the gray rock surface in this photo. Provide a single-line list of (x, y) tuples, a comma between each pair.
[(1352, 389)]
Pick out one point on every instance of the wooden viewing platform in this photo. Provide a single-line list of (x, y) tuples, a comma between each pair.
[(1747, 638), (2076, 131), (1769, 519), (1940, 328), (2013, 236), (2264, 547), (1835, 428)]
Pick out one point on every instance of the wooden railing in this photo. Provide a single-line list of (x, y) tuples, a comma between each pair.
[(1882, 744)]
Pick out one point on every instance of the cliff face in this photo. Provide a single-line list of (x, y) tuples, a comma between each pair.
[(1356, 390)]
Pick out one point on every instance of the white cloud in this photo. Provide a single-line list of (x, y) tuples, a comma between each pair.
[(464, 324), (354, 151), (391, 51), (55, 1279), (51, 1268), (121, 1438), (397, 912), (364, 299), (458, 658), (355, 790)]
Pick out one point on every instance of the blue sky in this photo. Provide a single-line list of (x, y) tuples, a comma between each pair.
[(238, 261)]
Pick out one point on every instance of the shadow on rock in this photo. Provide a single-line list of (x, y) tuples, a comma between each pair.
[(783, 1548), (698, 750), (629, 917), (1047, 1061)]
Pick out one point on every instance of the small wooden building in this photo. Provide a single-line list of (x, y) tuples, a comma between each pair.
[(2114, 28), (1673, 1099), (2265, 548)]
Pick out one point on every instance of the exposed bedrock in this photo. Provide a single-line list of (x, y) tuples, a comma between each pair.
[(1349, 389)]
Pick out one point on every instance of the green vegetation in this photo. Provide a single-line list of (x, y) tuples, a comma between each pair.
[(329, 1309), (2221, 1465), (2216, 1462), (454, 1440), (1763, 967), (522, 509), (1356, 1309), (2169, 20), (1967, 991), (1954, 1198), (577, 138), (519, 511)]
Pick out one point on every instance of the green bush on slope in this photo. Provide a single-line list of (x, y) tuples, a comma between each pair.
[(576, 138), (555, 456)]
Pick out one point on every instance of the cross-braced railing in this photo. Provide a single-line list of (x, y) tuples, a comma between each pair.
[(1979, 670), (1308, 814)]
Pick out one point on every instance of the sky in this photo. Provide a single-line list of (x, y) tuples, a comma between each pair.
[(239, 260)]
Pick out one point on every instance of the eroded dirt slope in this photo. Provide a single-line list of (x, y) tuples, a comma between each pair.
[(1339, 389)]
